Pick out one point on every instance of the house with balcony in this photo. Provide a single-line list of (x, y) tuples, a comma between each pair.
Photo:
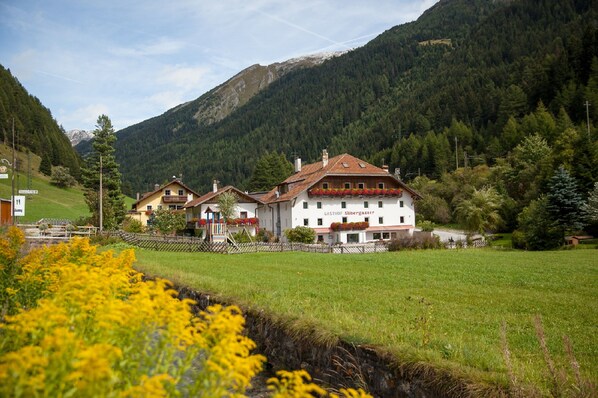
[(203, 214), (172, 196), (344, 199)]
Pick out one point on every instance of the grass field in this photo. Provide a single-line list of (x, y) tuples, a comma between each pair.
[(443, 308), (51, 201)]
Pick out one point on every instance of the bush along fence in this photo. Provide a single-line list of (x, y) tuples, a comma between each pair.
[(193, 244)]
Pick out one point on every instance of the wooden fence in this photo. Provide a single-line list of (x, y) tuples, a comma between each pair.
[(191, 244)]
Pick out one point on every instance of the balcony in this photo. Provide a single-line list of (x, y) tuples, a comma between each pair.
[(356, 192), (174, 198)]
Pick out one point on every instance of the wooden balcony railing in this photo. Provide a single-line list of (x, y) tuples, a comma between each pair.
[(174, 199)]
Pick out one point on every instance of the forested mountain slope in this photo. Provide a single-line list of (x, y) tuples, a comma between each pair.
[(462, 70), (35, 128)]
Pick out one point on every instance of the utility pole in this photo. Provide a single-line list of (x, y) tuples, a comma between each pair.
[(101, 198), (12, 181), (587, 104)]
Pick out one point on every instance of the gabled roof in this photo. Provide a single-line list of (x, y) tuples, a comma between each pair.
[(176, 180), (341, 165), (229, 188)]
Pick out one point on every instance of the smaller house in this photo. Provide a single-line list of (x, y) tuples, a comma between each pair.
[(172, 196), (203, 214)]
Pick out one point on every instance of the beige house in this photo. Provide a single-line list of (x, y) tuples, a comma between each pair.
[(173, 196)]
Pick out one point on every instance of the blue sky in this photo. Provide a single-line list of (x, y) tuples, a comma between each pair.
[(135, 59)]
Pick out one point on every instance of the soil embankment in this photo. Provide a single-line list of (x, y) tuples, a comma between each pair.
[(344, 365)]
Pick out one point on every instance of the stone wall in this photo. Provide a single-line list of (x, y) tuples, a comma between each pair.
[(342, 365)]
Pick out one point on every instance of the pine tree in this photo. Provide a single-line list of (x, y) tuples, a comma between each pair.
[(564, 203), (45, 167), (103, 151)]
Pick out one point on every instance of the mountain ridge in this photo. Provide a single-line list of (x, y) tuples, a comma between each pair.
[(503, 59)]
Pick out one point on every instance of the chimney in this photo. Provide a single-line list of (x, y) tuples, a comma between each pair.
[(215, 186), (324, 158), (156, 187), (297, 165), (138, 196), (385, 167)]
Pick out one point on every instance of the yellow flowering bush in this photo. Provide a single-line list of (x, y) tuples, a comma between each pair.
[(77, 322)]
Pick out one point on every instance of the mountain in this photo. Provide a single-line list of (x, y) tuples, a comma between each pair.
[(77, 136), (35, 128), (460, 72), (234, 93)]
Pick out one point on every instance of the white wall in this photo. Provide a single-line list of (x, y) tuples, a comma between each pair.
[(332, 211)]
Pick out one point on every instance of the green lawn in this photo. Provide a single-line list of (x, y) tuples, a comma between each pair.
[(50, 202), (444, 308)]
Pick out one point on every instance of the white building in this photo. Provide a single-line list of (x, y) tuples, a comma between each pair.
[(344, 199), (203, 213)]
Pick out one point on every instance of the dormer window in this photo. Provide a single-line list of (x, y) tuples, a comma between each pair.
[(362, 165), (345, 165), (325, 185), (380, 185), (347, 185)]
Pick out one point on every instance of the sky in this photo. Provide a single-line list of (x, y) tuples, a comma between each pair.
[(135, 59)]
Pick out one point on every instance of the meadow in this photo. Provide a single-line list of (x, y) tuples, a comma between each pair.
[(441, 308), (51, 201)]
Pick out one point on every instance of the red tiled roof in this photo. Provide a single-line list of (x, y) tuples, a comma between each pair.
[(341, 165), (211, 195)]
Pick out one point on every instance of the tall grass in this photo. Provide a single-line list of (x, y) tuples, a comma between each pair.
[(440, 307)]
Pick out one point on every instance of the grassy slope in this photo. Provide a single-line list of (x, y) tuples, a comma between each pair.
[(377, 299), (51, 202)]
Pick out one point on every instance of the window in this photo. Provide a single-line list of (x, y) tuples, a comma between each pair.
[(320, 238), (320, 222), (243, 214), (345, 165), (148, 207), (366, 204), (366, 219), (343, 205), (381, 185), (402, 220), (380, 220), (360, 185), (305, 222), (352, 238), (171, 207), (159, 207), (362, 165), (305, 205), (377, 235), (181, 192), (319, 205), (167, 192), (347, 185), (379, 203), (324, 185), (385, 235), (344, 220), (401, 203)]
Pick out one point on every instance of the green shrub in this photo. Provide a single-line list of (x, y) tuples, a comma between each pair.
[(300, 234), (414, 242), (132, 225)]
